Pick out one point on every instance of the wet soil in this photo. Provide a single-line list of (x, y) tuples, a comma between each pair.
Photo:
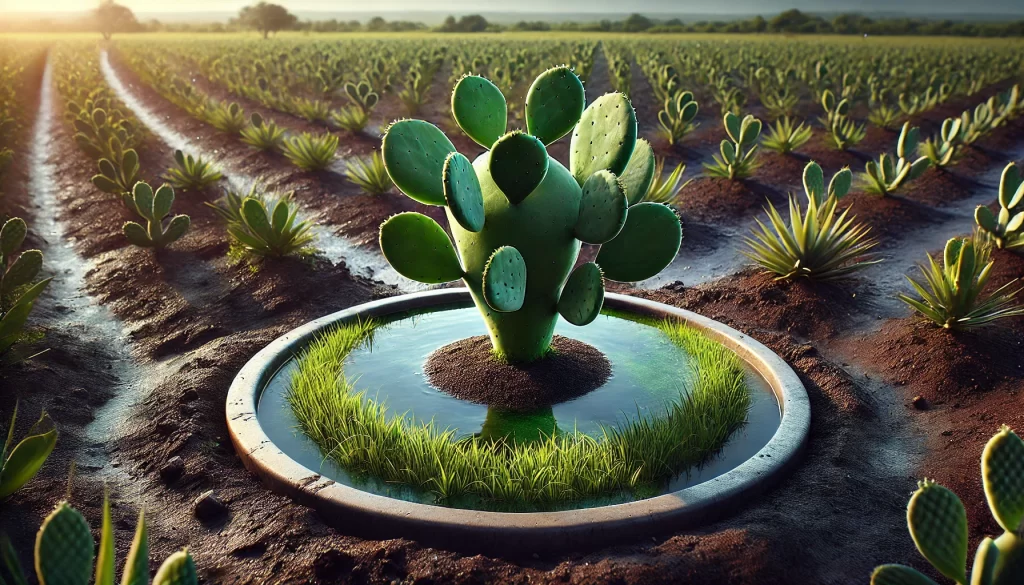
[(467, 369)]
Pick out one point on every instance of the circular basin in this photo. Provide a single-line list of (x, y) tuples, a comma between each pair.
[(645, 375)]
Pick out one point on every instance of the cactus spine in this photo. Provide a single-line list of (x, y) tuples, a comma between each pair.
[(519, 217)]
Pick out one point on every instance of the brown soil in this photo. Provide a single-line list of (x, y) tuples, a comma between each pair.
[(754, 298), (468, 370), (713, 199), (939, 364), (890, 217), (782, 170)]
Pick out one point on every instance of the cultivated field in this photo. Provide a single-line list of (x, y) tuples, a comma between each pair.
[(132, 346)]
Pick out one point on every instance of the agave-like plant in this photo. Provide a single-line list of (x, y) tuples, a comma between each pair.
[(664, 189), (944, 149), (371, 175), (269, 228), (785, 137), (191, 172), (65, 553), (312, 110), (226, 118), (351, 118), (937, 521), (819, 242), (20, 463), (262, 134), (309, 152), (951, 293), (1004, 230)]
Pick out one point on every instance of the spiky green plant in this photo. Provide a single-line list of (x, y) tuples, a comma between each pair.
[(665, 189), (311, 152), (978, 122), (154, 208), (677, 115), (937, 521), (414, 93), (819, 242), (780, 103), (784, 137), (226, 118), (229, 207), (18, 292), (351, 118), (20, 463), (944, 149), (191, 172), (1004, 230), (738, 158), (118, 175), (65, 554), (268, 226), (516, 213), (371, 175), (890, 173), (842, 130), (312, 110), (951, 294), (262, 134)]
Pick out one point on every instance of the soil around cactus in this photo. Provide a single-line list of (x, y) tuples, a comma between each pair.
[(468, 370), (714, 199)]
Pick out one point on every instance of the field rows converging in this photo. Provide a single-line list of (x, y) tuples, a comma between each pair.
[(510, 307)]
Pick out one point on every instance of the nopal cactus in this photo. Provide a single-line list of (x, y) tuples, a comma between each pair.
[(1005, 230), (65, 554), (519, 217), (889, 173), (154, 207), (938, 524)]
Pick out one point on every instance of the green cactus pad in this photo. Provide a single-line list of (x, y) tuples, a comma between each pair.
[(504, 280), (414, 155), (938, 525), (479, 109), (518, 164), (178, 569), (602, 209), (814, 181), (419, 249), (64, 548), (136, 234), (22, 271), (583, 295), (176, 228), (646, 245), (604, 137), (1002, 471), (554, 104), (899, 575), (12, 234), (462, 192), (163, 199), (639, 173)]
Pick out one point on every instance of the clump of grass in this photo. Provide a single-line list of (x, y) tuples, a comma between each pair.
[(364, 438)]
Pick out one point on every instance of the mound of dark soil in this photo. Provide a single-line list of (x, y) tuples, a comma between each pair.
[(467, 370), (891, 216), (714, 199), (940, 364), (756, 300)]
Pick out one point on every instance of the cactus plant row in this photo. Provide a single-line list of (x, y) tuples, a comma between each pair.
[(890, 173), (18, 288), (519, 217)]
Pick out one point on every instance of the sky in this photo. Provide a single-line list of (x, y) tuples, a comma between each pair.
[(924, 7)]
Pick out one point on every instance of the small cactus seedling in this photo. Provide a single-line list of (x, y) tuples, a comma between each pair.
[(738, 154), (18, 292), (942, 150), (117, 175), (889, 173), (676, 117), (65, 554), (519, 217), (262, 134), (154, 207), (938, 524), (1004, 230)]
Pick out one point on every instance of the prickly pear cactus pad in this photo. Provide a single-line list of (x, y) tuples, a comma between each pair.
[(519, 217)]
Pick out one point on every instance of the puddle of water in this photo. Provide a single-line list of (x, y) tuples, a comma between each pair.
[(74, 308), (360, 261), (647, 372)]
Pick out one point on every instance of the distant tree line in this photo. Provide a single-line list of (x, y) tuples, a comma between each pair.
[(267, 19)]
